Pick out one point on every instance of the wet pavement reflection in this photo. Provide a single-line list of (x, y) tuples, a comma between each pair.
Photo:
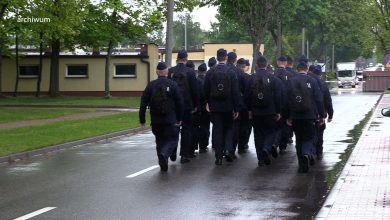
[(89, 182)]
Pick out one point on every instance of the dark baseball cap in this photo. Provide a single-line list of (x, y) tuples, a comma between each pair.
[(317, 70), (302, 64), (161, 66), (282, 58), (221, 53), (182, 54), (232, 56), (241, 61), (212, 61), (202, 67), (190, 64)]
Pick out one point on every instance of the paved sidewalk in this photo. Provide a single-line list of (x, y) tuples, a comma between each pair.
[(363, 188)]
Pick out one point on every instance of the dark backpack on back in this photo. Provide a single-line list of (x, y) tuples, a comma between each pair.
[(160, 102), (262, 95), (181, 79), (282, 74), (300, 98), (220, 84)]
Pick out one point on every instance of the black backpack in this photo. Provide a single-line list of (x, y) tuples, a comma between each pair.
[(262, 95), (220, 84), (160, 102), (300, 99), (181, 79), (282, 74)]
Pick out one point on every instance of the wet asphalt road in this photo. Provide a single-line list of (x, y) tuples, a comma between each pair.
[(90, 182)]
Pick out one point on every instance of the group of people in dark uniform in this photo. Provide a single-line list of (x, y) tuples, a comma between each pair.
[(276, 103)]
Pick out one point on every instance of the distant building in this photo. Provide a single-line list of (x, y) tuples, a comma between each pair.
[(83, 74)]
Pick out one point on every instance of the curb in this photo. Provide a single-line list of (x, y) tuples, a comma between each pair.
[(332, 195), (74, 144)]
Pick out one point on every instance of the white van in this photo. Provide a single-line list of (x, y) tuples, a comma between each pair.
[(346, 74)]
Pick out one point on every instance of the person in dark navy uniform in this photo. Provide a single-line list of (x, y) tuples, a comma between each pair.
[(263, 99), (222, 96), (290, 67), (328, 105), (212, 62), (284, 132), (185, 78), (305, 106), (245, 123), (203, 121), (165, 118), (231, 63)]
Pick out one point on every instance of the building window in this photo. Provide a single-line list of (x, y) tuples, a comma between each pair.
[(29, 71), (77, 70), (125, 70)]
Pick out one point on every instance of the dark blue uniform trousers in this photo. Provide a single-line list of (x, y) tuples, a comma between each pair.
[(222, 132), (305, 133), (319, 139), (264, 130), (186, 144), (166, 139), (245, 130), (204, 130), (201, 130)]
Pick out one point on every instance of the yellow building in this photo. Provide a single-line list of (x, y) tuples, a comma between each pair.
[(243, 50), (84, 74)]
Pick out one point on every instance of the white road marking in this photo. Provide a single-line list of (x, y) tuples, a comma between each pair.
[(33, 214), (142, 171)]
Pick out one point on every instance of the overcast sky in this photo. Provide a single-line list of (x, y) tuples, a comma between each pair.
[(204, 16)]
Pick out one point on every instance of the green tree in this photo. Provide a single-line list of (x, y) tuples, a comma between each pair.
[(227, 30), (254, 15), (110, 21), (195, 35)]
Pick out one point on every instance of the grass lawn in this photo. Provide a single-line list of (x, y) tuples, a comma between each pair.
[(387, 91), (21, 114), (129, 102), (27, 138)]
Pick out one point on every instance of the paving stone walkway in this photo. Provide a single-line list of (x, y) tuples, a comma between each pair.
[(363, 189)]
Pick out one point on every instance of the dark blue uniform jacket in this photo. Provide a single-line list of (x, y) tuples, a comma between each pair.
[(241, 84), (276, 88), (316, 98), (325, 94), (193, 101), (230, 104), (177, 112)]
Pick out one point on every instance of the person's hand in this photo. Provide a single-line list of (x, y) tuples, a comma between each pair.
[(207, 107), (322, 121), (289, 122), (250, 115), (278, 117), (330, 119), (178, 123), (142, 125), (235, 115)]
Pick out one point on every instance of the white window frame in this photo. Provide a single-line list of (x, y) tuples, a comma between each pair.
[(125, 76)]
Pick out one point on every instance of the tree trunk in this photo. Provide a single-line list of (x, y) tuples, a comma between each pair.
[(169, 37), (54, 69), (279, 39), (256, 53), (107, 70), (40, 65), (17, 65)]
